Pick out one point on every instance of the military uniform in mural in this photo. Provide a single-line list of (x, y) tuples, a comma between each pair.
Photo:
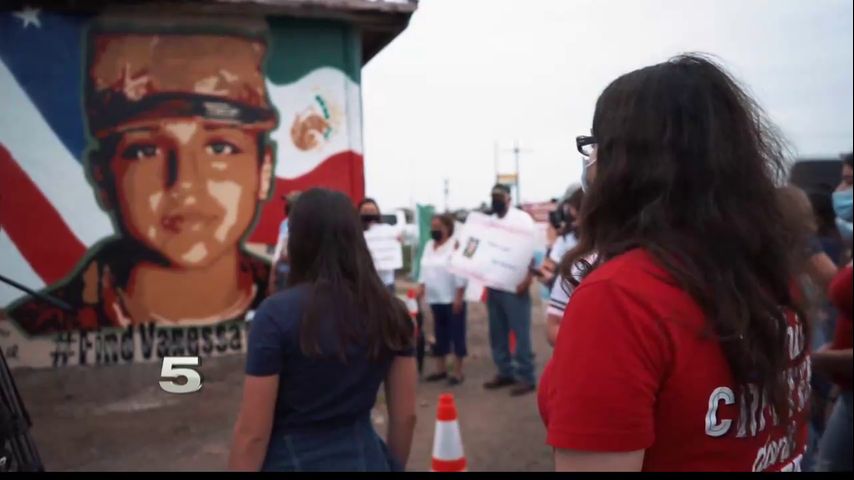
[(98, 297), (178, 118)]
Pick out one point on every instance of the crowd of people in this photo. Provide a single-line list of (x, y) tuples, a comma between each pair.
[(700, 312)]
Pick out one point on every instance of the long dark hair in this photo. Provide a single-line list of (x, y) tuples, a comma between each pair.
[(327, 250), (575, 200), (686, 170)]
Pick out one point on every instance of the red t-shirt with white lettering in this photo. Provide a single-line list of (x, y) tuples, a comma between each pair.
[(633, 370)]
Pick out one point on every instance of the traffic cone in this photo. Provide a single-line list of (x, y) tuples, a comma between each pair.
[(512, 341), (448, 453)]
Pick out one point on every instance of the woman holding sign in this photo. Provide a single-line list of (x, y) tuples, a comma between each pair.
[(378, 236), (444, 291)]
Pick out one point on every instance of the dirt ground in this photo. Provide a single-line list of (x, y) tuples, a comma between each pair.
[(117, 418)]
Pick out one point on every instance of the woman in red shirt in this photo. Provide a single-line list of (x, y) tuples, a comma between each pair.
[(681, 348), (835, 359)]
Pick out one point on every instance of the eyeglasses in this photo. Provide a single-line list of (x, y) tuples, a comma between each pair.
[(585, 145)]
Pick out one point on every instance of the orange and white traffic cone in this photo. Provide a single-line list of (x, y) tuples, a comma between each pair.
[(448, 453)]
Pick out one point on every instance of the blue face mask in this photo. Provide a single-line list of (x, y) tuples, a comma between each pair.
[(842, 204), (585, 175)]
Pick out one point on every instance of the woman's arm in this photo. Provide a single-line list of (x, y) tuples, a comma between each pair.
[(400, 399), (254, 423), (552, 327), (578, 461), (459, 301), (836, 363), (821, 270)]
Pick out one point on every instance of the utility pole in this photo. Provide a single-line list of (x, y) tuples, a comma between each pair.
[(516, 152), (495, 158), (447, 192)]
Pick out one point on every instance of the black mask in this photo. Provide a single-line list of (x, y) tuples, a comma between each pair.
[(556, 219), (436, 235), (499, 206), (368, 219)]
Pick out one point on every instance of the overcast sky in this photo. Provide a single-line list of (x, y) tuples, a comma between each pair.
[(469, 73)]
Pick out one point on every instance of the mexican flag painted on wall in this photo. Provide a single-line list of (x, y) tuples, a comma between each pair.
[(313, 74)]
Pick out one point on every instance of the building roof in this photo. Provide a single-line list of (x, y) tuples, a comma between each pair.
[(379, 21)]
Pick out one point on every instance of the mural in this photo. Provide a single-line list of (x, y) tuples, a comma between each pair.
[(138, 162)]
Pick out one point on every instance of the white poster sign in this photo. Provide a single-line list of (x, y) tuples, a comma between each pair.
[(493, 253), (385, 247)]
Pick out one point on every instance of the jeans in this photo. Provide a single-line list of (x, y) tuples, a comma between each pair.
[(510, 312), (350, 448), (281, 278), (821, 389), (450, 329), (835, 448)]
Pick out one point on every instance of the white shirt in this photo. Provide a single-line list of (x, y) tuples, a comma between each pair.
[(562, 244), (559, 298), (440, 284), (516, 218)]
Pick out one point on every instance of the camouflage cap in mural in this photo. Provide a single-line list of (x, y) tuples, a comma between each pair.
[(142, 69)]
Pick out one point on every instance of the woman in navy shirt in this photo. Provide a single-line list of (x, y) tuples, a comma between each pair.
[(318, 352)]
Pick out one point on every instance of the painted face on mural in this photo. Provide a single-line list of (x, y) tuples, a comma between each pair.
[(188, 188), (188, 161)]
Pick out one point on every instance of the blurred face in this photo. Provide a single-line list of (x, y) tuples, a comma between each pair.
[(847, 177), (500, 202), (369, 209), (437, 226), (188, 188), (572, 213), (500, 196)]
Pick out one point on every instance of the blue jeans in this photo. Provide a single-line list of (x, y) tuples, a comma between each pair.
[(508, 311), (835, 448), (350, 448)]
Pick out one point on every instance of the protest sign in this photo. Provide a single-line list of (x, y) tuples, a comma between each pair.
[(385, 247), (493, 253)]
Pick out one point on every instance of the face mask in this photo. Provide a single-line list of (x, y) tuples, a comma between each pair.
[(842, 204), (436, 235), (499, 206), (367, 220), (585, 183)]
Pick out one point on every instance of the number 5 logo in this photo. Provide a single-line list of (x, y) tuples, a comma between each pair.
[(168, 370)]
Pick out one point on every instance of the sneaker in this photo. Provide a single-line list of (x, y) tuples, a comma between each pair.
[(498, 382), (436, 377), (522, 389), (454, 381)]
